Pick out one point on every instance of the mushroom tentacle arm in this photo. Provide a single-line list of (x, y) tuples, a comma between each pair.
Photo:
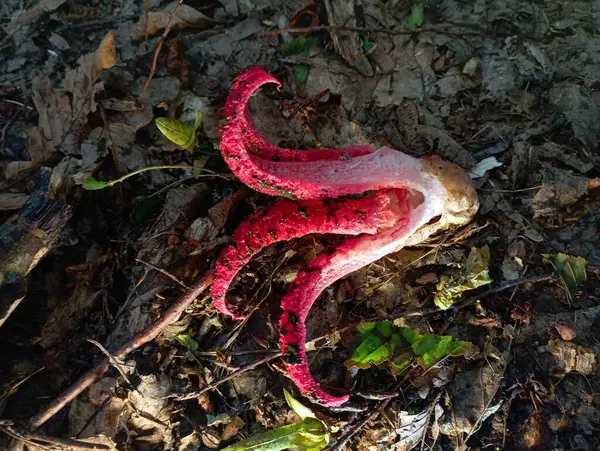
[(384, 199), (287, 220)]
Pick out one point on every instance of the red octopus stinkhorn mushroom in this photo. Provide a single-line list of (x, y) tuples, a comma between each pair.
[(396, 200)]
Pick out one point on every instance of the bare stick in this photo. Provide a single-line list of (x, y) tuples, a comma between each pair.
[(458, 306), (243, 369), (159, 45), (37, 437), (357, 427), (171, 315)]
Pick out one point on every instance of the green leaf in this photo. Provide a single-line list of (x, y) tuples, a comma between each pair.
[(415, 19), (298, 46), (367, 45), (308, 434), (215, 420), (178, 132), (301, 410), (475, 274), (378, 342), (187, 341), (300, 73), (570, 269), (91, 184), (382, 342), (430, 348)]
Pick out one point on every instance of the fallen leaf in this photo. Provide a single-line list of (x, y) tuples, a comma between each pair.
[(566, 332), (232, 428), (187, 341), (573, 358), (106, 55), (382, 342), (413, 427), (475, 274), (560, 188), (12, 201), (157, 20)]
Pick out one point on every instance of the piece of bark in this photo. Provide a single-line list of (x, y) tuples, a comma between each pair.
[(341, 13), (25, 239)]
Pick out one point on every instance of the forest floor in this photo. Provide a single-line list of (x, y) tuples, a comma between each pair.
[(507, 89)]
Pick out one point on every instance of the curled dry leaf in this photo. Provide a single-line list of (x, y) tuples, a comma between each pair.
[(566, 332), (106, 55)]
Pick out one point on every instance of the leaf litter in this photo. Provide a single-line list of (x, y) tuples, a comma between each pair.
[(433, 93)]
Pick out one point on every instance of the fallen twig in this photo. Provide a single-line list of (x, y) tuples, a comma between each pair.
[(357, 427), (429, 311), (32, 437), (243, 369), (171, 315), (159, 45)]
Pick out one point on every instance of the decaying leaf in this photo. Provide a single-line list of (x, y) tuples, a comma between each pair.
[(309, 434), (570, 269), (412, 427), (185, 17), (560, 188), (475, 274), (573, 358), (106, 55), (382, 342), (12, 201), (565, 331)]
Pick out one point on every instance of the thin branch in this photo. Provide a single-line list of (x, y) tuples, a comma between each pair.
[(171, 315), (197, 393), (159, 45), (163, 272), (430, 311), (37, 437)]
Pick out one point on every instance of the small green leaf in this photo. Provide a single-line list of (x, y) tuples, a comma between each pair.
[(377, 345), (430, 348), (91, 184), (367, 45), (415, 19), (309, 435), (301, 410), (475, 274), (301, 73), (187, 341), (382, 342), (178, 132), (298, 46), (570, 269)]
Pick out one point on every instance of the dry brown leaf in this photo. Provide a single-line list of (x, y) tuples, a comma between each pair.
[(232, 428), (567, 333), (106, 55), (55, 117), (573, 358), (14, 168), (32, 15), (157, 20), (12, 201)]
